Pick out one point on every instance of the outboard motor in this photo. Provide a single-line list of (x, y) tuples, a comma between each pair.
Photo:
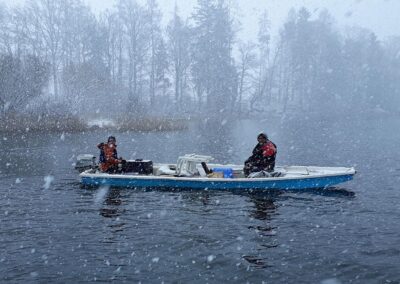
[(85, 162)]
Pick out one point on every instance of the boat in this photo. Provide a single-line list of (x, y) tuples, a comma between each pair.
[(195, 172)]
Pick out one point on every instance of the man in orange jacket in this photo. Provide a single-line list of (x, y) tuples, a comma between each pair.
[(109, 160)]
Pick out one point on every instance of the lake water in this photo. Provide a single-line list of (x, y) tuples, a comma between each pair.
[(52, 230)]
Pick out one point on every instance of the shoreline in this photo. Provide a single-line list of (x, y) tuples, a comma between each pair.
[(56, 124)]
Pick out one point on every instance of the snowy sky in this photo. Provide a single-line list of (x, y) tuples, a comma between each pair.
[(381, 16)]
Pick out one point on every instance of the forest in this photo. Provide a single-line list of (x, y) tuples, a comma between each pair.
[(60, 59)]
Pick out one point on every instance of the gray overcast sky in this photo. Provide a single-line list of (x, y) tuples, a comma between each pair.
[(381, 16)]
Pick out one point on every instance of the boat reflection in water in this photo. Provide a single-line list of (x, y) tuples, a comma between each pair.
[(109, 201), (264, 211), (260, 207)]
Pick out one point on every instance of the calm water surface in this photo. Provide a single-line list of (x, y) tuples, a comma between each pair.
[(52, 230)]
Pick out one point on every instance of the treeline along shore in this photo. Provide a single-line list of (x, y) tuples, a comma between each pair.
[(19, 124), (59, 57)]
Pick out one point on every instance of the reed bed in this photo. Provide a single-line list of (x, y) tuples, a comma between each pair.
[(58, 124)]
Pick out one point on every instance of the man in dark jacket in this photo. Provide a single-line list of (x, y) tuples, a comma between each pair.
[(263, 158)]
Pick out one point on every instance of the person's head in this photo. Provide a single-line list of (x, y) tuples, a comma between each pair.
[(262, 138), (111, 140)]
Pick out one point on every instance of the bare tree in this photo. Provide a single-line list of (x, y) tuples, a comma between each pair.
[(49, 16), (154, 19), (246, 65), (137, 38), (179, 51)]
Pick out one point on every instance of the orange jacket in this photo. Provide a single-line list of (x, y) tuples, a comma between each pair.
[(108, 156)]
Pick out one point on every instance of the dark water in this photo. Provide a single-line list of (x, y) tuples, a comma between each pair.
[(52, 230)]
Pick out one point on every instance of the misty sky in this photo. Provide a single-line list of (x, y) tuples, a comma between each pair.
[(381, 16)]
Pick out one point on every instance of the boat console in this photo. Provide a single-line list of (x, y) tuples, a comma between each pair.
[(189, 165)]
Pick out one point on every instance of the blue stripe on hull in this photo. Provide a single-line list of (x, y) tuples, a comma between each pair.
[(301, 183)]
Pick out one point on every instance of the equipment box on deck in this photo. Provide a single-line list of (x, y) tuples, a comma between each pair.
[(143, 167), (227, 172)]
